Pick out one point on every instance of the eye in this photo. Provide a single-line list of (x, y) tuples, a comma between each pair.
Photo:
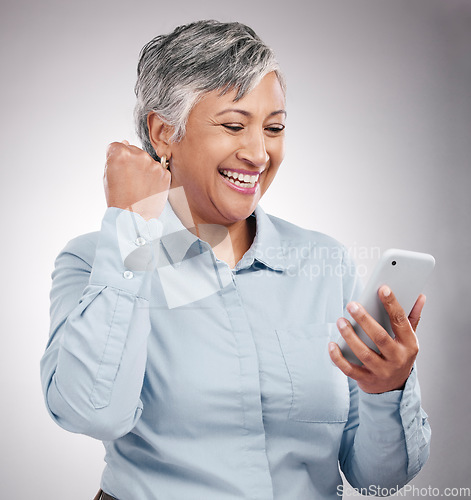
[(234, 127), (275, 129)]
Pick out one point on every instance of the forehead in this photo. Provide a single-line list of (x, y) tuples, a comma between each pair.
[(264, 99)]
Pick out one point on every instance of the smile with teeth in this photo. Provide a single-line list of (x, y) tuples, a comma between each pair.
[(242, 180)]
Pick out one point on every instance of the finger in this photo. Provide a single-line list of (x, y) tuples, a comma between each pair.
[(372, 328), (109, 149), (135, 149), (351, 370), (370, 358), (414, 316), (112, 148), (399, 321)]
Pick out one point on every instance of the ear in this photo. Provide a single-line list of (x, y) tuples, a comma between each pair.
[(159, 135)]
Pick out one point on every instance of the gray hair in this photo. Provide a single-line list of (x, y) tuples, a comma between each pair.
[(177, 69)]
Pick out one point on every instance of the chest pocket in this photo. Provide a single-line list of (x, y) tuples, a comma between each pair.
[(319, 389)]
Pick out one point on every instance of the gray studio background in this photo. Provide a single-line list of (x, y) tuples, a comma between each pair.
[(379, 147)]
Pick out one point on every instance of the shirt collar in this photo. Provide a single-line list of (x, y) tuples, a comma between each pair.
[(176, 239), (267, 248)]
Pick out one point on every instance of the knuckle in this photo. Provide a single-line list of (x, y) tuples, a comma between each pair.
[(414, 350), (114, 148), (361, 315), (117, 154), (366, 355), (111, 146), (381, 338), (347, 370), (399, 318)]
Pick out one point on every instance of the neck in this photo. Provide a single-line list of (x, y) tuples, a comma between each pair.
[(229, 242)]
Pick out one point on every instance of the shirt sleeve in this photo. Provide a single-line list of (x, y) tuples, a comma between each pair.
[(386, 440), (93, 368)]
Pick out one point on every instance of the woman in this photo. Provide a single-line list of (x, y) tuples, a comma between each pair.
[(192, 332)]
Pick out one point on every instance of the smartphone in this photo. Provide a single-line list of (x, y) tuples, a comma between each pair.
[(405, 272)]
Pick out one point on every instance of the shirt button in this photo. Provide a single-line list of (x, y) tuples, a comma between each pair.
[(128, 275), (140, 241)]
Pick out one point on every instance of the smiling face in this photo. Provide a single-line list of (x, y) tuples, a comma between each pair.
[(231, 152)]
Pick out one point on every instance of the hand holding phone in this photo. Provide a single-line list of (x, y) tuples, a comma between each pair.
[(388, 368), (405, 273)]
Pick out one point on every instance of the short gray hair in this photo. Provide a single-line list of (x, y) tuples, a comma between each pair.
[(177, 69)]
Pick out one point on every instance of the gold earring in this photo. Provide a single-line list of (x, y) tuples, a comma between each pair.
[(164, 162)]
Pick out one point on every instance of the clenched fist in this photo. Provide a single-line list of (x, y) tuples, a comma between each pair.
[(134, 181)]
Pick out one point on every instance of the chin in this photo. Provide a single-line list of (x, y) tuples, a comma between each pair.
[(239, 212)]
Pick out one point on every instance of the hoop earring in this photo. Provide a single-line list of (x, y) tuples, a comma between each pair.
[(164, 162)]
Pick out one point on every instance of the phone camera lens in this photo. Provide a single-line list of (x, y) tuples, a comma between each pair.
[(393, 262)]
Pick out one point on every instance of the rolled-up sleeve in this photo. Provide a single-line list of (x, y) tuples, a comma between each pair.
[(93, 367)]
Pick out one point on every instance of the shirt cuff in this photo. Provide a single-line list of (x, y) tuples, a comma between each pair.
[(415, 425), (126, 250), (401, 406), (383, 410)]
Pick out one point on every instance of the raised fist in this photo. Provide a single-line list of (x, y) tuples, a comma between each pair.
[(134, 181)]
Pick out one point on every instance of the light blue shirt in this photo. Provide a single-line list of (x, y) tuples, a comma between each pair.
[(211, 383)]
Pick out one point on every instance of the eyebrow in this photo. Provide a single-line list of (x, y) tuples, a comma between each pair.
[(247, 113)]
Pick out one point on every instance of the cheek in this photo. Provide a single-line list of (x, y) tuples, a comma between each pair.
[(276, 151), (203, 155), (276, 157), (281, 151), (268, 178), (187, 164)]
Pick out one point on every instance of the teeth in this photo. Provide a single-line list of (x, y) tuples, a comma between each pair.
[(239, 179), (242, 184), (240, 176)]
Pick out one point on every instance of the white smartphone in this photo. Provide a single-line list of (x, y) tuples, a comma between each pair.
[(405, 273)]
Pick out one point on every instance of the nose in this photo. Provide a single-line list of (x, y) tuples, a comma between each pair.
[(254, 150)]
